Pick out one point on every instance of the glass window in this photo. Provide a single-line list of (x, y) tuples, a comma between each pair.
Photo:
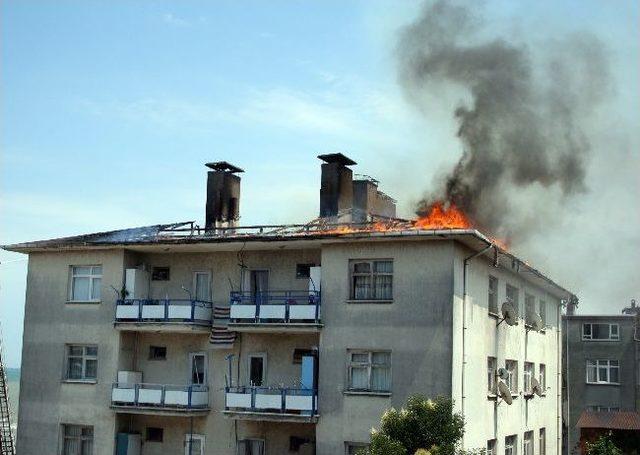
[(157, 353), (352, 448), (82, 362), (250, 447), (529, 374), (202, 281), (372, 280), (542, 442), (543, 312), (530, 308), (77, 440), (491, 447), (492, 365), (542, 378), (86, 282), (600, 332), (154, 434), (160, 274), (513, 294), (528, 443), (370, 371), (512, 378), (511, 445), (493, 295), (603, 372)]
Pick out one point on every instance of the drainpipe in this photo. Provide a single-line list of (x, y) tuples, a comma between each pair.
[(566, 319), (559, 382), (464, 318)]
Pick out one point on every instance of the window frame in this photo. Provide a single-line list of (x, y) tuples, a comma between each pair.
[(147, 434), (492, 373), (355, 445), (542, 378), (84, 358), (91, 276), (258, 355), (542, 312), (492, 447), (493, 293), (611, 325), (511, 444), (245, 440), (527, 377), (207, 274), (372, 274), (515, 302), (602, 363), (529, 308), (153, 358), (527, 437), (542, 441), (190, 437), (80, 438), (369, 366), (512, 380)]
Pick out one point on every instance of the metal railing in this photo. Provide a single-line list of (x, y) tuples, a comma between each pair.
[(298, 401), (164, 310), (275, 306), (194, 396)]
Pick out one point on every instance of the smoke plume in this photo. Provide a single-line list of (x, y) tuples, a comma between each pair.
[(522, 122)]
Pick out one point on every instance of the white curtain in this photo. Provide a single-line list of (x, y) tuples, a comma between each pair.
[(380, 371)]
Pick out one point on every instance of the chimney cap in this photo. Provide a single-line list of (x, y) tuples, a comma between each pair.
[(224, 166), (337, 158)]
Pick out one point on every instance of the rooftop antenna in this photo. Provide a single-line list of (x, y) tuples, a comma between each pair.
[(509, 314)]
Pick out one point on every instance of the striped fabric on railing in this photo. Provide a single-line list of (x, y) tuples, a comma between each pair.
[(221, 337)]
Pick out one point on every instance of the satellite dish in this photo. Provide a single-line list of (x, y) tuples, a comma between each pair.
[(536, 322), (535, 387), (504, 392), (509, 314), (503, 373)]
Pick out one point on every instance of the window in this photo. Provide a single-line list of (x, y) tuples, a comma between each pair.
[(157, 353), (542, 442), (491, 447), (492, 366), (77, 440), (513, 297), (154, 434), (86, 282), (257, 369), (599, 408), (194, 444), (198, 362), (529, 307), (528, 443), (529, 374), (352, 448), (511, 445), (250, 447), (600, 332), (603, 372), (303, 270), (493, 295), (370, 371), (202, 286), (372, 280), (512, 378), (160, 274), (542, 378), (543, 312), (82, 362)]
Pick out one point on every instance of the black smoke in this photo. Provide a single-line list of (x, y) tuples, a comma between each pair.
[(522, 126)]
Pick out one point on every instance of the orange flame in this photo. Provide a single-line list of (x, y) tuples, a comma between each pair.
[(443, 217)]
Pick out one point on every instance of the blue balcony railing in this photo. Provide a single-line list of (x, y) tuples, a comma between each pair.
[(302, 402), (160, 396), (275, 307), (168, 310)]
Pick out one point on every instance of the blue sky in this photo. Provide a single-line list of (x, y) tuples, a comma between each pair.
[(110, 109)]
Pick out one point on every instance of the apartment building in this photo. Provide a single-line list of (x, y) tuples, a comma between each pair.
[(601, 381), (176, 339)]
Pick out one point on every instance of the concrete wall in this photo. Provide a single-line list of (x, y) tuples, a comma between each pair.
[(488, 418), (582, 395), (416, 327)]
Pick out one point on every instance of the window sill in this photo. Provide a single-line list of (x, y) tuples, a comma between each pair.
[(491, 396), (600, 341), (615, 384), (79, 381), (366, 393), (380, 301), (83, 302)]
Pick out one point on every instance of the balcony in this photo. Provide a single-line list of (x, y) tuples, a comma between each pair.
[(275, 311), (171, 315), (159, 399), (273, 404)]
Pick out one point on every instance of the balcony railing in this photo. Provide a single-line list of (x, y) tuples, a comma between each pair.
[(298, 402), (288, 307), (197, 312), (160, 396)]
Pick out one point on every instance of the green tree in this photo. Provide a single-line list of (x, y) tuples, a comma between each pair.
[(603, 446), (425, 424)]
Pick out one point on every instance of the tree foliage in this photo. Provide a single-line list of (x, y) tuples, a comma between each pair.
[(603, 446)]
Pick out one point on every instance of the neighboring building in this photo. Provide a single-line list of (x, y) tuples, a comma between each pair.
[(601, 380), (275, 340)]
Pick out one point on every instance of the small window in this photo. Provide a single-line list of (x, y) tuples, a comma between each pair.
[(542, 442), (493, 295), (352, 448), (511, 445), (528, 443), (303, 270), (82, 362), (492, 365), (154, 434), (250, 447), (77, 440), (157, 353), (299, 353), (86, 282), (491, 447), (372, 280), (529, 374), (512, 378), (600, 332), (369, 371), (603, 372), (513, 297), (160, 274), (542, 378)]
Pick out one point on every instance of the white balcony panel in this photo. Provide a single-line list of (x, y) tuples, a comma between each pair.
[(265, 401), (176, 398), (243, 312), (179, 311), (239, 400), (127, 311), (152, 311), (299, 312), (149, 396), (122, 395), (272, 311), (298, 403), (199, 398), (202, 313)]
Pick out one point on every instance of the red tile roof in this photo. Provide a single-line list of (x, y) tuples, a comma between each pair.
[(614, 420)]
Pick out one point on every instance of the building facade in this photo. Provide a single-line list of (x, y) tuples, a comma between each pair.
[(275, 340), (601, 364)]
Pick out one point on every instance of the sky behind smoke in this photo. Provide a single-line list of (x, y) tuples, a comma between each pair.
[(109, 111)]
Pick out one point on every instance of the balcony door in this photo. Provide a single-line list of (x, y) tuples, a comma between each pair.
[(259, 285), (257, 369), (198, 363), (202, 286), (193, 444)]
